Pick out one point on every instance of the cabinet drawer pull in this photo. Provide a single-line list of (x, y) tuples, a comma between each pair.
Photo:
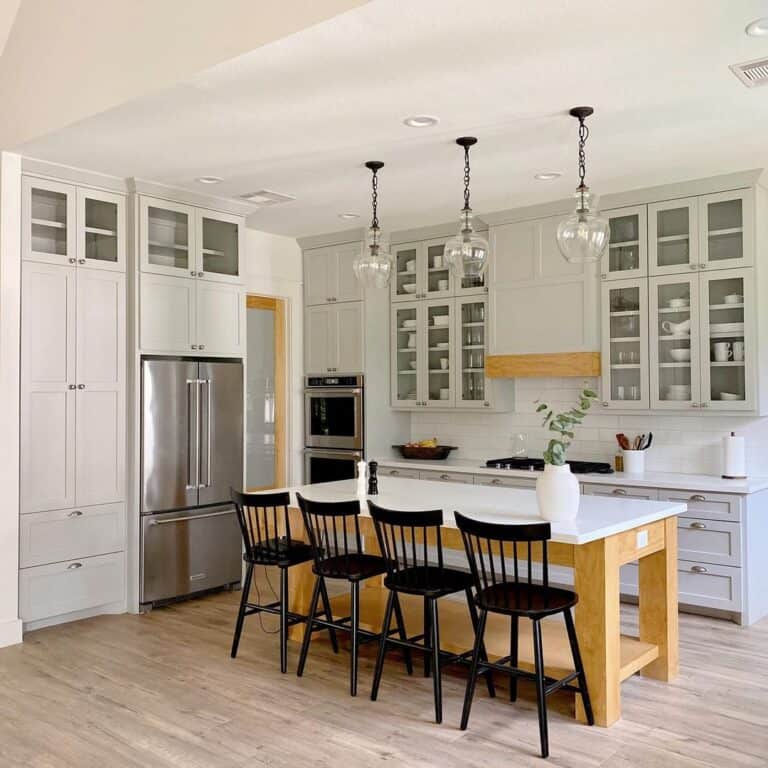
[(394, 472), (697, 497), (698, 569), (445, 477), (74, 566), (496, 481), (74, 513), (698, 526), (619, 492)]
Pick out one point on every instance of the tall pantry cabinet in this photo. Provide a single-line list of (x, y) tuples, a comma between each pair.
[(73, 347)]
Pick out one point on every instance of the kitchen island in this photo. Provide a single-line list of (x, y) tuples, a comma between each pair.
[(608, 533)]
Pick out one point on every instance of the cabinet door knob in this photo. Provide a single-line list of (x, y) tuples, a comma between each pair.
[(694, 405), (394, 472), (194, 346), (702, 266), (74, 513), (619, 492), (445, 477), (704, 405), (698, 526), (202, 346), (603, 276), (72, 260), (496, 481), (81, 386), (604, 403), (81, 261), (486, 404), (698, 569), (192, 272), (71, 386), (693, 266), (74, 566), (200, 274), (697, 497)]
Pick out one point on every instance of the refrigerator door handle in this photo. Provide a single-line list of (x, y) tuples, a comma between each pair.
[(209, 403), (191, 517), (193, 386)]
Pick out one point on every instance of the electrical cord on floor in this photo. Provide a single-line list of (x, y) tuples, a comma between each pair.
[(255, 583)]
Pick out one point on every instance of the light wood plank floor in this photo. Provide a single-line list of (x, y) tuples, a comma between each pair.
[(161, 690)]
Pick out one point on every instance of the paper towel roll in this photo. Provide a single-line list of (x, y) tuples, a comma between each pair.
[(734, 457), (362, 481)]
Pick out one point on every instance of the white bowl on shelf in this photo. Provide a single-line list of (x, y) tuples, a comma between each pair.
[(733, 298), (442, 345), (441, 320), (412, 364), (729, 396), (410, 266), (680, 355), (409, 287), (676, 303), (679, 392), (409, 323)]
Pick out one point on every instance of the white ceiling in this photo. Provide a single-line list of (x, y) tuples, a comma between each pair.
[(301, 115)]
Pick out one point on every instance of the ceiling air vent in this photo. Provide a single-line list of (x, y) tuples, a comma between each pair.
[(752, 73), (265, 197)]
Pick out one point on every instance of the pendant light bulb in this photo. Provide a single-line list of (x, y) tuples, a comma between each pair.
[(584, 235), (373, 267), (467, 253)]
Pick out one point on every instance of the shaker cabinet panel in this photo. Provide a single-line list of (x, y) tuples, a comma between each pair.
[(329, 276), (319, 340), (167, 314), (219, 318), (346, 286), (349, 337), (334, 338)]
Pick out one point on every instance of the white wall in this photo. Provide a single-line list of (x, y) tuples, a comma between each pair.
[(680, 443), (10, 304), (273, 267)]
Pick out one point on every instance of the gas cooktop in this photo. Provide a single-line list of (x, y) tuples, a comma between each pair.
[(537, 465)]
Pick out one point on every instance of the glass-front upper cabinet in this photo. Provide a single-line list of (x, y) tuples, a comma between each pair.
[(627, 253), (439, 353), (407, 355), (101, 230), (728, 344), (218, 242), (625, 344), (673, 242), (674, 342), (438, 278), (167, 237), (472, 387), (48, 215), (727, 230), (406, 283)]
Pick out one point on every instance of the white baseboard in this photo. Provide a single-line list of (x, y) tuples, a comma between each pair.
[(10, 632)]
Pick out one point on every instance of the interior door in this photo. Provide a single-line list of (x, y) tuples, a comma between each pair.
[(221, 431), (170, 432)]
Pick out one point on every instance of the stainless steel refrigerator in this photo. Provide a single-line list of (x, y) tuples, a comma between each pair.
[(191, 454)]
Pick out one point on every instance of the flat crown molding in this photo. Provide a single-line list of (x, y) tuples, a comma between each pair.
[(58, 172), (344, 237), (435, 231), (172, 194)]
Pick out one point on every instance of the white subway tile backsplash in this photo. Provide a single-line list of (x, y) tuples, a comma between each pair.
[(682, 443)]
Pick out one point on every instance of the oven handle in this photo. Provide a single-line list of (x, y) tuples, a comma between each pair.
[(337, 391)]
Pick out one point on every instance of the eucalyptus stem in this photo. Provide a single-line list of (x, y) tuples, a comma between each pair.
[(564, 424)]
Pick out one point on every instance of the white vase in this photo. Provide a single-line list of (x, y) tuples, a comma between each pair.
[(557, 493)]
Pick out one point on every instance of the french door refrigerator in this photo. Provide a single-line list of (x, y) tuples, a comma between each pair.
[(191, 455)]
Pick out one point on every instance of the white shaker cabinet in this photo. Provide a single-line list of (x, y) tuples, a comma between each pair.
[(220, 318), (167, 314), (334, 338), (329, 276)]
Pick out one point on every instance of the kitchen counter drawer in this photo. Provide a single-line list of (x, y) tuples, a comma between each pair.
[(446, 477), (709, 541), (700, 584), (53, 590), (595, 489), (506, 482), (408, 474), (706, 506), (58, 535)]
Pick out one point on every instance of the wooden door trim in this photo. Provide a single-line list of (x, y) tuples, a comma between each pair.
[(277, 306)]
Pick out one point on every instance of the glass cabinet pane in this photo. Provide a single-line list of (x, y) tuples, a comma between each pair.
[(220, 247), (673, 326), (673, 237), (438, 274), (471, 329), (101, 230), (49, 222), (624, 247), (723, 345), (439, 357), (725, 231), (405, 282), (406, 353), (168, 238), (626, 310)]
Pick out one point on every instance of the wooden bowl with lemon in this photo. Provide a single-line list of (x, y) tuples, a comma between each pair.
[(426, 450)]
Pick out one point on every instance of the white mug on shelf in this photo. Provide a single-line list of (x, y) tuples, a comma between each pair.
[(442, 285), (738, 350), (722, 351), (444, 363), (437, 262)]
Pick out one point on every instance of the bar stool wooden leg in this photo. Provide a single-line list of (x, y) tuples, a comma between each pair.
[(483, 655), (470, 692), (382, 646), (541, 699), (308, 627), (355, 636), (402, 634), (328, 614), (427, 634), (241, 613), (436, 674), (283, 620), (513, 642)]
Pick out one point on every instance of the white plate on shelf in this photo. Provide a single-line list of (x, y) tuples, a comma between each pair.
[(727, 328), (730, 396), (409, 287), (409, 324)]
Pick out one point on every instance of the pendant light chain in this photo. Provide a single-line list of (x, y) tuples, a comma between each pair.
[(375, 198), (466, 179), (583, 136)]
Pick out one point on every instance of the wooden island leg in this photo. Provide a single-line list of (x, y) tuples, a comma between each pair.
[(596, 578), (658, 605)]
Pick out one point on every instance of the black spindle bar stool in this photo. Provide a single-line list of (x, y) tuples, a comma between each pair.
[(266, 528), (337, 546), (499, 591), (405, 539)]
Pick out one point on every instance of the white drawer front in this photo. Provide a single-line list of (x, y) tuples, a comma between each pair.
[(700, 584), (710, 541), (446, 477), (505, 482), (409, 474), (595, 489), (52, 537), (53, 590), (707, 506)]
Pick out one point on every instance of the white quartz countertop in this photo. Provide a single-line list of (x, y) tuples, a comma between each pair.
[(599, 516), (669, 480)]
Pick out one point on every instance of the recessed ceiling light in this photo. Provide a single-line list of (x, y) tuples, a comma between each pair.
[(758, 27), (209, 179), (548, 176), (349, 215), (421, 121)]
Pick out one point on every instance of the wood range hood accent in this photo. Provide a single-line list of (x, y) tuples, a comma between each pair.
[(550, 365)]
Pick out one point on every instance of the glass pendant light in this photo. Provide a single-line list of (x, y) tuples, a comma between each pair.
[(373, 267), (467, 253), (584, 235)]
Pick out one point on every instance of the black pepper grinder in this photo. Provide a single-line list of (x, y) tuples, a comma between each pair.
[(373, 480)]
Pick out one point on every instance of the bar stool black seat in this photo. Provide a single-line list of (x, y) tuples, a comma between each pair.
[(337, 548), (488, 547), (266, 529), (405, 539)]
